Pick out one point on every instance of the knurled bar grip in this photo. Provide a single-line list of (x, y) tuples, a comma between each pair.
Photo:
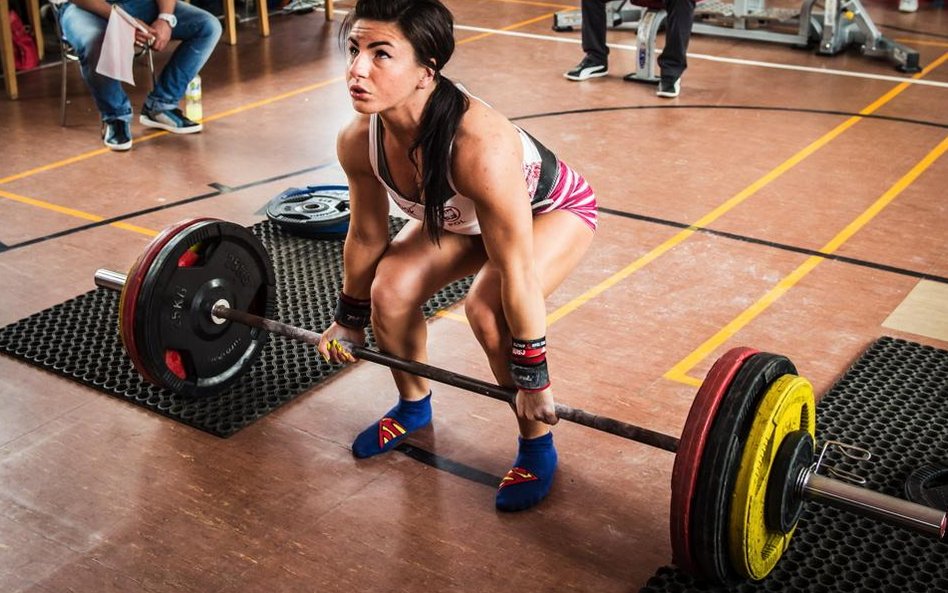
[(115, 281)]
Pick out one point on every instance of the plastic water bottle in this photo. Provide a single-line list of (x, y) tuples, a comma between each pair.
[(192, 100)]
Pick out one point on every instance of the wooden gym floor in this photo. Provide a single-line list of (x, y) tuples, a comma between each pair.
[(792, 159)]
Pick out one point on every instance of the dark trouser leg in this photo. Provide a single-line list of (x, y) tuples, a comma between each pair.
[(677, 34), (594, 29)]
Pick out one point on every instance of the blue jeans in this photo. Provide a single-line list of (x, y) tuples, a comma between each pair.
[(197, 29)]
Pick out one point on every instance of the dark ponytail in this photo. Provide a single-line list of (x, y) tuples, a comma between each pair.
[(439, 124), (429, 27)]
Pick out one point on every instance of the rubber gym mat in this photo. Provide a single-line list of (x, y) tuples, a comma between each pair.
[(79, 339), (894, 402)]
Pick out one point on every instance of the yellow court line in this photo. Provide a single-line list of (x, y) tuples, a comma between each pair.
[(216, 116), (678, 372), (451, 315), (267, 101), (508, 28), (75, 213)]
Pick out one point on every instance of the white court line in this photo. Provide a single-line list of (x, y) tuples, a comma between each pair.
[(719, 59)]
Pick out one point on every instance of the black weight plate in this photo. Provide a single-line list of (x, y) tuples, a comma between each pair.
[(316, 211), (711, 506), (784, 503), (178, 341)]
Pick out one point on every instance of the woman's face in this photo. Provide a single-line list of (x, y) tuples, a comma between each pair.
[(382, 71)]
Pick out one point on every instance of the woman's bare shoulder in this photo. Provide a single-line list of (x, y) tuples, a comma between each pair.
[(482, 130), (352, 144), (487, 147)]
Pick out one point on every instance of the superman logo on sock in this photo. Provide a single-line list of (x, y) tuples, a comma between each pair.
[(517, 475), (389, 429)]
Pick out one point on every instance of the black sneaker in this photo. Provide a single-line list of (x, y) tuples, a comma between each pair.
[(117, 134), (171, 120), (669, 88), (588, 68)]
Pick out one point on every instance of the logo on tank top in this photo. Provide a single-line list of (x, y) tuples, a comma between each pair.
[(531, 173), (452, 215)]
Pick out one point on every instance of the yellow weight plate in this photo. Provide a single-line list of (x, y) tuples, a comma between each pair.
[(787, 406)]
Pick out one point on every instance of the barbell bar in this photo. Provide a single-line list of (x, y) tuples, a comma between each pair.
[(116, 281), (209, 274)]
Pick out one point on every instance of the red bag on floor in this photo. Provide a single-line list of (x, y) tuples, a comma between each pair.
[(25, 55)]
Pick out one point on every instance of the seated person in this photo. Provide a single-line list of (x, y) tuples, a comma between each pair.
[(672, 61), (83, 23)]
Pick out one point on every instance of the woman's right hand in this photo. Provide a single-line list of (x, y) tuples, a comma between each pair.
[(333, 343)]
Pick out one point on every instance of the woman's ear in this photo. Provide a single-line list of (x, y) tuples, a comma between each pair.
[(427, 77)]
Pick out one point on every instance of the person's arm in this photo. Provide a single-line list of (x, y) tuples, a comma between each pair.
[(104, 9), (487, 168), (367, 237), (162, 28)]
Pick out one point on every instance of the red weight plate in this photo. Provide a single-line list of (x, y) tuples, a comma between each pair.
[(691, 449), (720, 461), (130, 291)]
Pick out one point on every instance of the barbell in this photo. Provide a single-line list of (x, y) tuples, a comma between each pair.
[(194, 316)]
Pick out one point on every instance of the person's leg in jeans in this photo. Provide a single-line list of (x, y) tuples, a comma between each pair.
[(673, 60), (85, 31), (198, 31)]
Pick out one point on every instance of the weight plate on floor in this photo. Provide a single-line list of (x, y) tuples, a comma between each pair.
[(691, 448), (316, 211), (179, 342), (711, 505), (128, 300), (788, 406)]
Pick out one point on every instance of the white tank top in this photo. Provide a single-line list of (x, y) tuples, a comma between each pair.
[(459, 214)]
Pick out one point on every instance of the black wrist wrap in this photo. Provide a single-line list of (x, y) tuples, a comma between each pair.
[(528, 364), (352, 313)]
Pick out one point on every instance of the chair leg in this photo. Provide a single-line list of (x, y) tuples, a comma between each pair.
[(151, 69), (62, 92)]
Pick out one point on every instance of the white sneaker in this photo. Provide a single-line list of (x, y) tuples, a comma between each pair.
[(908, 5)]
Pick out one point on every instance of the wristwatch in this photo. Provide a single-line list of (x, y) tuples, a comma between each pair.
[(169, 18)]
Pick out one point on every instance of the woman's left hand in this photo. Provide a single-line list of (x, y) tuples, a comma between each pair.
[(537, 405)]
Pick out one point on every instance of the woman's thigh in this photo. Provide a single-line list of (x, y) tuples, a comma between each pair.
[(560, 241), (413, 268)]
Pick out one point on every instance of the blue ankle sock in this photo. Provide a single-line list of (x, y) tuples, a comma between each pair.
[(393, 427), (530, 479)]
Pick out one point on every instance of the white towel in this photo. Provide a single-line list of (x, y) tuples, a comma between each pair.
[(118, 47)]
